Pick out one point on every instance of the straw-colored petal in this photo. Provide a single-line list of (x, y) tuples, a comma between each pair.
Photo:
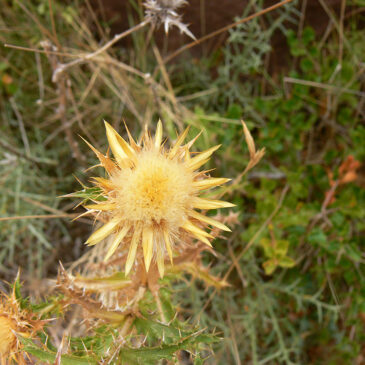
[(106, 162), (160, 261), (178, 143), (82, 215), (118, 151), (202, 158), (188, 226), (199, 164), (190, 143), (168, 244), (208, 220), (104, 183), (202, 239), (158, 135), (187, 155), (132, 251), (147, 244), (202, 203), (132, 142), (103, 232), (101, 206), (129, 151), (116, 242), (209, 183)]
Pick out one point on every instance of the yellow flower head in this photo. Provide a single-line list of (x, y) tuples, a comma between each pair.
[(15, 322), (152, 195), (7, 336)]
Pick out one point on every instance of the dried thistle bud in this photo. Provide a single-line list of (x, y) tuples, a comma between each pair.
[(164, 12), (149, 202), (255, 156)]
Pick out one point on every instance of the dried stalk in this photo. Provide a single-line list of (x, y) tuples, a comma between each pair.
[(62, 106)]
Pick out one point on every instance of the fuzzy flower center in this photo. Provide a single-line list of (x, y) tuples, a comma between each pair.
[(7, 337), (157, 191)]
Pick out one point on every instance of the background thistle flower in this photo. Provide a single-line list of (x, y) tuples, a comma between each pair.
[(151, 197), (15, 321), (164, 12)]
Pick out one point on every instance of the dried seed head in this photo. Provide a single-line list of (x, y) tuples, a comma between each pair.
[(164, 12)]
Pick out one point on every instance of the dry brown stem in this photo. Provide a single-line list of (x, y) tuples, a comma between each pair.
[(224, 29), (62, 105), (60, 69)]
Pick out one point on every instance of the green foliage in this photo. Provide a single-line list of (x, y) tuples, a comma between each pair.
[(276, 252), (162, 341), (47, 356), (308, 131), (173, 336), (88, 194)]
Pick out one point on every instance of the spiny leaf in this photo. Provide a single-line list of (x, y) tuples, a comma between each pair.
[(93, 193), (152, 354), (167, 305), (48, 356), (114, 282)]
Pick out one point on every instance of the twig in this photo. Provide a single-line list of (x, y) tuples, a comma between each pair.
[(126, 326), (29, 158), (159, 307), (41, 205), (40, 78), (62, 106), (35, 50), (224, 29), (39, 216), (340, 40), (331, 88), (198, 94), (44, 30), (53, 22), (63, 66), (21, 127), (164, 74), (336, 24)]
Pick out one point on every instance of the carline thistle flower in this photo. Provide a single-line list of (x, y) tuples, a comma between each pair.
[(14, 322), (151, 197)]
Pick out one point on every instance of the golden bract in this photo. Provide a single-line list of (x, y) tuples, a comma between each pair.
[(15, 322), (152, 195), (7, 336)]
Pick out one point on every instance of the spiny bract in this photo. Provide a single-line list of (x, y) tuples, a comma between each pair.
[(14, 322), (151, 196), (165, 12)]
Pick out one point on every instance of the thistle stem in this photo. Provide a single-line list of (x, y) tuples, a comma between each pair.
[(159, 307), (126, 326)]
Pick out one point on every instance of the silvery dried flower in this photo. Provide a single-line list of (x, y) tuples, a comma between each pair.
[(164, 12)]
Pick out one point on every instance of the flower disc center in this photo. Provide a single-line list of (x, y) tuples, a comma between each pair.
[(157, 191)]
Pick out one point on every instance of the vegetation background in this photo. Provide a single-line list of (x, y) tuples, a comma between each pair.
[(295, 258)]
